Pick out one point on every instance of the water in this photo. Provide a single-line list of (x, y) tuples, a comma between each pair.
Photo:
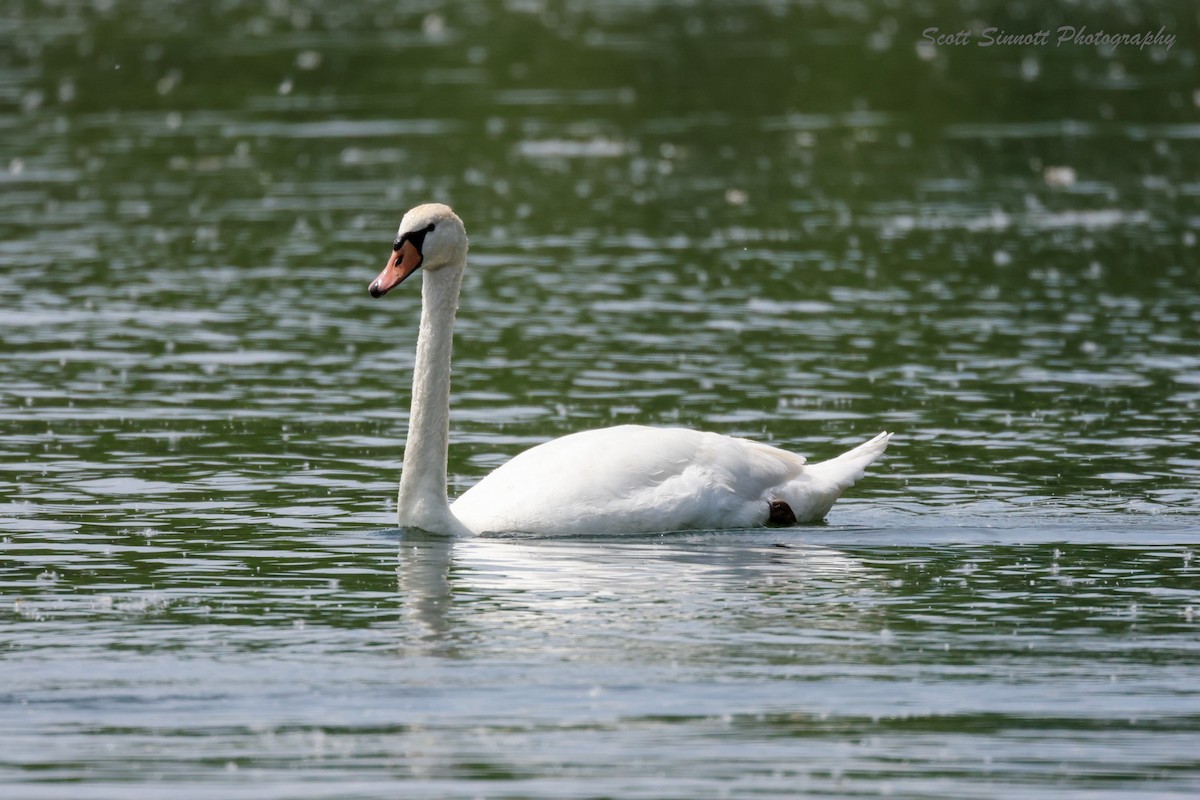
[(790, 223)]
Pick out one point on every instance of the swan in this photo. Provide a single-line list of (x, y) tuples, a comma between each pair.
[(623, 479)]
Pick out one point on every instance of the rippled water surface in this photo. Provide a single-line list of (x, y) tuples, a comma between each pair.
[(798, 223)]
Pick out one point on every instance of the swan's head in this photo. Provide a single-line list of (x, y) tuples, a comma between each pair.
[(430, 237)]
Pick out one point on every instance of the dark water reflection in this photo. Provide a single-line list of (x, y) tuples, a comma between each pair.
[(788, 222)]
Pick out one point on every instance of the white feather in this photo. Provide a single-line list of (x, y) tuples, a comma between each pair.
[(634, 478), (628, 478)]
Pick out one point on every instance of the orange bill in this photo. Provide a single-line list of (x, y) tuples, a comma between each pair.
[(404, 262)]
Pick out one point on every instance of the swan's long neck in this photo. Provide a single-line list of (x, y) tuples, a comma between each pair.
[(422, 500)]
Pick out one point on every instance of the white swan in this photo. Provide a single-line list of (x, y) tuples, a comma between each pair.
[(624, 479)]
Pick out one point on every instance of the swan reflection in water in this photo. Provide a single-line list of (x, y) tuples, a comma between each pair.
[(680, 591)]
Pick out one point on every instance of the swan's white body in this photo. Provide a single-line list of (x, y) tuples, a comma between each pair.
[(624, 479), (636, 478)]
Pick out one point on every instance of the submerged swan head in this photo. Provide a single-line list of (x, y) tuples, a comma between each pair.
[(431, 237)]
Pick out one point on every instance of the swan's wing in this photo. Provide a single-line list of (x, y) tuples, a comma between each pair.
[(629, 478)]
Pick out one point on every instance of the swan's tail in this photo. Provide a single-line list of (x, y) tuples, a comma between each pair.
[(810, 496), (842, 472)]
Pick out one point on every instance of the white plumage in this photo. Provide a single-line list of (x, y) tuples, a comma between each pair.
[(636, 478), (623, 479)]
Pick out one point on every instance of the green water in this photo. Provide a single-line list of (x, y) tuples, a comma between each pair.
[(793, 222)]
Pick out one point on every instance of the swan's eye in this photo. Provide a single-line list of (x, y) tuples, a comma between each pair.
[(416, 237)]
